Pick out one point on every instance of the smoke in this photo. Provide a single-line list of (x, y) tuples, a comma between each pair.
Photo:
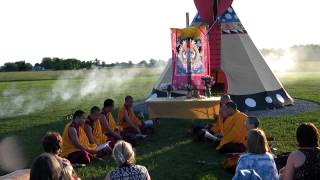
[(282, 62), (11, 157), (74, 85)]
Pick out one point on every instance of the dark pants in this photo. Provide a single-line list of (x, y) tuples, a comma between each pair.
[(129, 133), (232, 148), (80, 157)]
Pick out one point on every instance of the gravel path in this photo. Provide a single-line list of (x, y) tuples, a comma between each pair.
[(299, 107)]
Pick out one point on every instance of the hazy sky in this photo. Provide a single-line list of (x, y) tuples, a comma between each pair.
[(123, 30)]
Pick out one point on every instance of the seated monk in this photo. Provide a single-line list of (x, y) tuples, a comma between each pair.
[(217, 127), (109, 125), (76, 146), (129, 122), (234, 131), (214, 131), (93, 128)]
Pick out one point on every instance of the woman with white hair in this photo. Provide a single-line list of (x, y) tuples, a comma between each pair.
[(124, 156)]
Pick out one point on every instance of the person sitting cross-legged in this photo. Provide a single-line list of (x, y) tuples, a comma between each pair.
[(217, 127), (124, 156), (95, 133), (93, 127), (250, 123), (213, 132), (234, 131), (109, 125), (257, 162), (130, 123), (76, 146), (304, 163)]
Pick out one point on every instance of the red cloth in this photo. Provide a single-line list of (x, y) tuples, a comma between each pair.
[(80, 157)]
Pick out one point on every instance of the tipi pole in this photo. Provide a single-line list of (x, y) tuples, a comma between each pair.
[(189, 73)]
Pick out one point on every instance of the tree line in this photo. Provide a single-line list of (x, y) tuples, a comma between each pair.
[(301, 53), (48, 63)]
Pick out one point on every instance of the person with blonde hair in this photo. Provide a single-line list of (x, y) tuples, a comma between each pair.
[(258, 161), (124, 156)]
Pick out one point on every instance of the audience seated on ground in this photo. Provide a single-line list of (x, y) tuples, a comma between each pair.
[(109, 125), (129, 122), (52, 143), (76, 146), (304, 163), (124, 156), (93, 128), (46, 166), (234, 131), (257, 162)]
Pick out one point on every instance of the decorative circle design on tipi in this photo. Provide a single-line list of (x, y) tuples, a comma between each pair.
[(230, 10), (280, 98), (228, 16), (268, 99), (250, 102)]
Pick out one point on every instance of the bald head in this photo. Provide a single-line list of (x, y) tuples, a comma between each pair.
[(225, 98)]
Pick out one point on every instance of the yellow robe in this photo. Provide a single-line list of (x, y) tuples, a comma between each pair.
[(234, 129), (68, 146), (112, 123), (97, 132), (218, 126), (121, 117)]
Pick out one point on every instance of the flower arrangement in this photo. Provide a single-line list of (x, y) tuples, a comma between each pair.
[(208, 82)]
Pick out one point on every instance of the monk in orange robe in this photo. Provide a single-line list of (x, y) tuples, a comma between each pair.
[(217, 127), (234, 131), (109, 125), (93, 128), (213, 132), (76, 146), (129, 122)]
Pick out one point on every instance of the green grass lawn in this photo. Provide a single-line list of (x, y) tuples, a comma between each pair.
[(170, 153)]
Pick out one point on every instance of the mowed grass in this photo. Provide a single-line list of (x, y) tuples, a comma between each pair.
[(170, 153)]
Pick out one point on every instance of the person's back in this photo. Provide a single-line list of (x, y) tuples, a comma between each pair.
[(257, 159), (304, 163), (311, 166), (133, 172), (46, 167), (124, 156), (263, 164)]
